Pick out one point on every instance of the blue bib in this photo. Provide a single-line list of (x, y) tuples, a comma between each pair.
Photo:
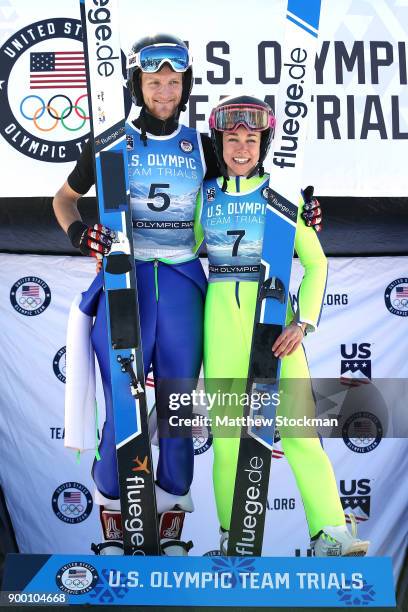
[(233, 225), (165, 177)]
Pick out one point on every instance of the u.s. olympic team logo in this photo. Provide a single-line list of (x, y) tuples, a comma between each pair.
[(362, 432), (186, 146), (396, 297), (202, 437), (59, 364), (43, 94), (76, 578), (72, 502), (30, 296)]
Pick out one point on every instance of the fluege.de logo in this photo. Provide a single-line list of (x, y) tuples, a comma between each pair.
[(43, 94)]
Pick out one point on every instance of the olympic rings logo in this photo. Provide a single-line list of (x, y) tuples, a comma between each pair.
[(72, 509), (403, 303), (76, 582), (29, 301), (53, 113)]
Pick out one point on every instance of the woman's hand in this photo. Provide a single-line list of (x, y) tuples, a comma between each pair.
[(98, 265), (289, 340)]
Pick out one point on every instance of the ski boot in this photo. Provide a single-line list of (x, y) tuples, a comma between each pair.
[(339, 542), (107, 548), (224, 537), (111, 521), (171, 510)]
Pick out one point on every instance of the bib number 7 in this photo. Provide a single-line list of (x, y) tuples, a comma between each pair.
[(240, 234)]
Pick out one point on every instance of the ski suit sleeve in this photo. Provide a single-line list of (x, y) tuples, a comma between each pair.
[(80, 418), (212, 170), (82, 176), (313, 286)]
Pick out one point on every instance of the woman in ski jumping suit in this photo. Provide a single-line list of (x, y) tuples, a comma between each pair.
[(241, 130)]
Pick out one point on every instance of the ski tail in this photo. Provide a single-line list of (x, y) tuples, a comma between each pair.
[(107, 114), (292, 114)]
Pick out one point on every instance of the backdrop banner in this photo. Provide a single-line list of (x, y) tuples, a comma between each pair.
[(359, 122), (49, 493)]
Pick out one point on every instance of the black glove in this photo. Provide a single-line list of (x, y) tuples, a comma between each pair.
[(312, 213), (94, 241)]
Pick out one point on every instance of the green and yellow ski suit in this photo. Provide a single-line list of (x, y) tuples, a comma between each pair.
[(228, 323)]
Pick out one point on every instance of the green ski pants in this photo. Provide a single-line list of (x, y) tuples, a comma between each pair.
[(228, 323)]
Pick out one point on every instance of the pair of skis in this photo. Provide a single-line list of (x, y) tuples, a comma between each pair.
[(102, 48), (105, 94), (292, 114)]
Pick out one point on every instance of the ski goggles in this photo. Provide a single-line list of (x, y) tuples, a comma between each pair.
[(252, 116), (152, 58)]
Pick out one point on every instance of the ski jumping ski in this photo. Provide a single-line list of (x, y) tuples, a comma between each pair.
[(105, 94), (292, 114)]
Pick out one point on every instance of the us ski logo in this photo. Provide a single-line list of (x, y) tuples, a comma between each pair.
[(356, 363), (355, 498), (396, 297), (211, 194), (43, 96), (30, 296)]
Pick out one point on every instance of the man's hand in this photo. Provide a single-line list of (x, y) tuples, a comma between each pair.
[(312, 213), (93, 241)]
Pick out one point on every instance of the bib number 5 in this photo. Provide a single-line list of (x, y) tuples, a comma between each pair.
[(158, 194)]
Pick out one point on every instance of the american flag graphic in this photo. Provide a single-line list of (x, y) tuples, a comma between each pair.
[(402, 291), (57, 69), (363, 428), (30, 290), (73, 497), (150, 382), (77, 573)]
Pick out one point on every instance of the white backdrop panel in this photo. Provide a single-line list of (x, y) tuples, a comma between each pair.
[(35, 467)]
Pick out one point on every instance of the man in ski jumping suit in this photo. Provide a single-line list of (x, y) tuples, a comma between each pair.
[(242, 129), (167, 163)]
